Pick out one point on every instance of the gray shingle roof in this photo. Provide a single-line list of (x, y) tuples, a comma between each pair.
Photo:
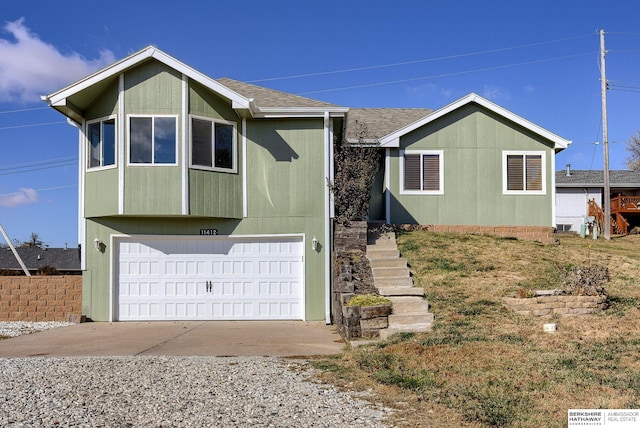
[(587, 178), (265, 97), (35, 258), (383, 121)]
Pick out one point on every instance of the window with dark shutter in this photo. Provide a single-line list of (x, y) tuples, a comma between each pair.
[(514, 172), (422, 171), (431, 172), (534, 172), (524, 172), (412, 172)]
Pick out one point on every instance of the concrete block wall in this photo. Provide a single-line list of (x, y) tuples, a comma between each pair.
[(41, 298), (556, 305)]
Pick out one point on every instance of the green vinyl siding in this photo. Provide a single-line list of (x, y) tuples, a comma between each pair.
[(153, 190), (101, 193), (215, 194), (285, 174), (473, 140), (203, 102), (153, 89), (105, 105)]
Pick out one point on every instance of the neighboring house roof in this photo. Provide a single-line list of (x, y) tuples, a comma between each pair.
[(392, 139), (75, 98), (35, 258), (589, 178), (382, 121)]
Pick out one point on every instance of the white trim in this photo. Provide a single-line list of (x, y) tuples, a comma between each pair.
[(300, 112), (116, 237), (82, 226), (387, 185), (553, 192), (152, 117), (393, 139), (122, 147), (524, 153), (234, 145), (440, 154), (59, 98), (245, 205), (332, 202), (184, 139), (101, 120), (327, 223)]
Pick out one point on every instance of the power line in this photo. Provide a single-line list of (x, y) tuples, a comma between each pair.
[(23, 110), (37, 166), (38, 163), (32, 125), (373, 67), (445, 74), (41, 190)]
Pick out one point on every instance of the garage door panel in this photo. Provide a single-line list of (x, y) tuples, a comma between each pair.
[(228, 278)]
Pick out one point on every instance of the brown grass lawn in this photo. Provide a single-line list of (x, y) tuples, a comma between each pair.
[(483, 365)]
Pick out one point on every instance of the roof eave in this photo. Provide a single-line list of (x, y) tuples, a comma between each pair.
[(301, 112), (59, 99), (393, 139)]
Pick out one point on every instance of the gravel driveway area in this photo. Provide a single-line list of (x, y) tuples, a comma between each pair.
[(174, 392)]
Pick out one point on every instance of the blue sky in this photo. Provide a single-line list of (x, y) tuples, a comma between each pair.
[(538, 59)]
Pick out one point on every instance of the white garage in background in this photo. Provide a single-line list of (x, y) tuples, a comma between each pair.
[(208, 278)]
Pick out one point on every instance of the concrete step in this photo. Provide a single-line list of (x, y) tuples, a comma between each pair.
[(387, 244), (391, 262), (390, 272), (403, 305), (404, 281), (410, 320), (416, 328), (401, 291), (382, 254)]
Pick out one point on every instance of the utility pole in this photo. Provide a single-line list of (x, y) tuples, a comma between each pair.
[(605, 141)]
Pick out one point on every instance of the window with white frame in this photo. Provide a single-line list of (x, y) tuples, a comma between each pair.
[(524, 172), (153, 140), (101, 136), (422, 172), (213, 144)]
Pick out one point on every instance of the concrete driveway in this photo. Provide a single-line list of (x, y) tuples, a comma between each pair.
[(188, 338)]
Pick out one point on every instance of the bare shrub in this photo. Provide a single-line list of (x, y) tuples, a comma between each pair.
[(587, 280)]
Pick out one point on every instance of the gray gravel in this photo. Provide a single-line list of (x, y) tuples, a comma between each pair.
[(18, 328), (174, 392)]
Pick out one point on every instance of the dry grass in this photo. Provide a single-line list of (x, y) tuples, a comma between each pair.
[(483, 365)]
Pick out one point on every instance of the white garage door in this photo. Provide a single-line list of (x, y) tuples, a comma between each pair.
[(209, 278)]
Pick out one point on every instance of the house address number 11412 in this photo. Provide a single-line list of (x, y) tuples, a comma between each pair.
[(208, 232)]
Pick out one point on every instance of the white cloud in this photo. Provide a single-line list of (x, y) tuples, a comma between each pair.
[(30, 67), (494, 93), (23, 197)]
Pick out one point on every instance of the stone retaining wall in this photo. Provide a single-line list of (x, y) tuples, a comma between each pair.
[(542, 234), (41, 298), (556, 305)]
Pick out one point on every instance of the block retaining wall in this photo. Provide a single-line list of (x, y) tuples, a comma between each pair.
[(556, 305), (542, 234), (41, 298)]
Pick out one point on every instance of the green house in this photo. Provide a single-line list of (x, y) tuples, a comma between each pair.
[(205, 199), (200, 198), (469, 163)]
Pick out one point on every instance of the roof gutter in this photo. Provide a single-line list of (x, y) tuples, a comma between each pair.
[(15, 253)]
